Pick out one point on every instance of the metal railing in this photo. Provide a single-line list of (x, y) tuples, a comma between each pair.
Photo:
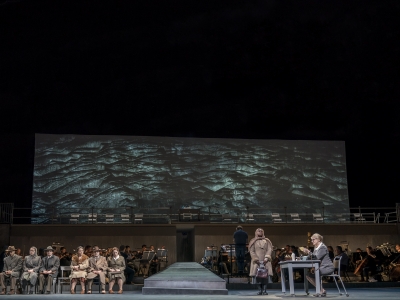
[(159, 215), (6, 213)]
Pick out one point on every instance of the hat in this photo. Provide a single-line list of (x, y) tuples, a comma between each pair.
[(95, 248), (11, 248), (49, 248)]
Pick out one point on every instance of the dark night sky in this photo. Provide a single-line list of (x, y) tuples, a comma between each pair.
[(229, 69)]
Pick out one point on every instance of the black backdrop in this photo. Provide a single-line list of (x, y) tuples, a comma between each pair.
[(232, 69)]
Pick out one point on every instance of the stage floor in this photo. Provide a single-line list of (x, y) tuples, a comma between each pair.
[(355, 293)]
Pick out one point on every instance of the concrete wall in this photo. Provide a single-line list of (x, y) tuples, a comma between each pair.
[(198, 236)]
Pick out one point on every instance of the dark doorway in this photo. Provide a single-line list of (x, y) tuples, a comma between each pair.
[(184, 245)]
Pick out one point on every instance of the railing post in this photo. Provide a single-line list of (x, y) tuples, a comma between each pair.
[(12, 213), (398, 212), (285, 214)]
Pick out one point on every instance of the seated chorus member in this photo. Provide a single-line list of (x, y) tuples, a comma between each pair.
[(116, 267), (48, 270), (79, 265), (30, 268), (11, 269), (97, 267)]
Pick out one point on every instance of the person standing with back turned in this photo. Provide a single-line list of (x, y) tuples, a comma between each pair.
[(240, 239)]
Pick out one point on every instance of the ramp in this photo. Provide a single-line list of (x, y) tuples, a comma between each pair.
[(185, 278)]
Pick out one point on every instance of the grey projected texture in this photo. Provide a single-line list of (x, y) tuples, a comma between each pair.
[(223, 175)]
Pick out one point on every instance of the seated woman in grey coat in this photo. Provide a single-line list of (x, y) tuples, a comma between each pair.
[(116, 267), (321, 253), (30, 269)]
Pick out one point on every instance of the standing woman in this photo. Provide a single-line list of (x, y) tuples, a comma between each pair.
[(260, 249), (321, 253), (116, 267), (79, 265)]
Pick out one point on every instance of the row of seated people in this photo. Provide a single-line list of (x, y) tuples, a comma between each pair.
[(135, 261), (34, 267)]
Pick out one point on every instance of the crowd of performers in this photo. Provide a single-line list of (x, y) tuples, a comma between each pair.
[(259, 251), (113, 265)]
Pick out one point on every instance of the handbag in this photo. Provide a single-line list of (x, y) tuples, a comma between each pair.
[(262, 272), (115, 272)]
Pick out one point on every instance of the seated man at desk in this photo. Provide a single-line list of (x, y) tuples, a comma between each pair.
[(320, 253)]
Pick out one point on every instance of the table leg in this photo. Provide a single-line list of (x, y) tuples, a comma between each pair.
[(291, 281), (305, 280), (317, 281), (283, 281)]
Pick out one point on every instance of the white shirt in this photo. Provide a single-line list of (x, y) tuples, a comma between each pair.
[(320, 244)]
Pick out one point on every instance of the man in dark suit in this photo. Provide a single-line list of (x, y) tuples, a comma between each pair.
[(48, 270), (240, 238), (11, 269)]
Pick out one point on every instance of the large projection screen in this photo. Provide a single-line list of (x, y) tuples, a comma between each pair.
[(216, 175)]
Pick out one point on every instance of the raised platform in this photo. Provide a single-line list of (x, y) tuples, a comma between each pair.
[(185, 278)]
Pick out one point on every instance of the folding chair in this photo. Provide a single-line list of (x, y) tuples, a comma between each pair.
[(92, 218), (295, 217), (138, 219), (318, 218), (64, 278), (337, 260), (226, 218), (276, 218), (186, 216), (74, 219), (250, 218), (125, 218), (109, 218), (359, 218)]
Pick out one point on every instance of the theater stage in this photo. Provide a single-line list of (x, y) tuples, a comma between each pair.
[(356, 293)]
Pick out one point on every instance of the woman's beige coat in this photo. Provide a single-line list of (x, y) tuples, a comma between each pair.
[(259, 250)]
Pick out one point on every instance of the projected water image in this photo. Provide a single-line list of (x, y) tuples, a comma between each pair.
[(216, 175)]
